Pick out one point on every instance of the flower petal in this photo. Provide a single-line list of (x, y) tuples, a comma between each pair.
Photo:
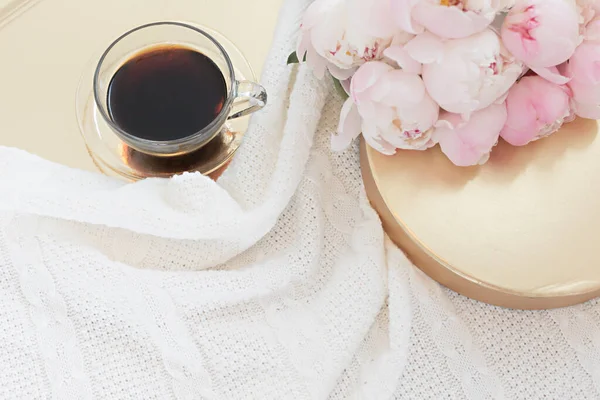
[(536, 108), (468, 143), (340, 73), (367, 75), (349, 127), (403, 59), (590, 111), (406, 88), (542, 33), (450, 22), (373, 139), (425, 48), (402, 12), (373, 17), (551, 74)]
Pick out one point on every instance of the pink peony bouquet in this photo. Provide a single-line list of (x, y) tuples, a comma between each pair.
[(455, 73)]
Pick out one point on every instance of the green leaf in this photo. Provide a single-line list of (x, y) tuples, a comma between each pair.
[(293, 58), (339, 88)]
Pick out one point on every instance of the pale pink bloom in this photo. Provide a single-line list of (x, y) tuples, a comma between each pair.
[(586, 99), (372, 17), (470, 142), (391, 107), (402, 13), (426, 48), (536, 108), (584, 70), (588, 9), (584, 65), (465, 75), (542, 33), (591, 31), (552, 74), (446, 18), (341, 35), (397, 53)]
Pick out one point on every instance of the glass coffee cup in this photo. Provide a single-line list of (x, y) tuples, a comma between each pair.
[(166, 90)]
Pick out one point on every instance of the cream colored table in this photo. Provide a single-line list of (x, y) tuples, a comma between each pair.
[(44, 50)]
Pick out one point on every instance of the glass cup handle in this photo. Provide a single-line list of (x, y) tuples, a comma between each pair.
[(250, 97)]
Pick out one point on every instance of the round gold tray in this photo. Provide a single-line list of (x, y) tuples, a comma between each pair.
[(521, 231)]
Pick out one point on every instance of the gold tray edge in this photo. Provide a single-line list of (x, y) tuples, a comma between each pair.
[(446, 275)]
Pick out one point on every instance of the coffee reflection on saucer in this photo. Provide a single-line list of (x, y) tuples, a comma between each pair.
[(204, 160)]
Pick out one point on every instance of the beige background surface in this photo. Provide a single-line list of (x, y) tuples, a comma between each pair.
[(44, 51)]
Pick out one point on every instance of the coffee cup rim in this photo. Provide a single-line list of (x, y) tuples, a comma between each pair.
[(168, 147)]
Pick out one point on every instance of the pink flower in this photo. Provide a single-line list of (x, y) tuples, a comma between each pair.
[(402, 14), (397, 53), (584, 65), (536, 108), (465, 75), (391, 107), (446, 18), (591, 31), (542, 33), (588, 9), (470, 142), (584, 70), (586, 99), (341, 35)]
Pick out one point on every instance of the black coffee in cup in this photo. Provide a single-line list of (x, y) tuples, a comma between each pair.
[(166, 93)]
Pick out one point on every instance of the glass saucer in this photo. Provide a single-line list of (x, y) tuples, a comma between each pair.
[(113, 157)]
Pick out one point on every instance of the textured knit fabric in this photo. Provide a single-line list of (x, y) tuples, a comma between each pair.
[(277, 282)]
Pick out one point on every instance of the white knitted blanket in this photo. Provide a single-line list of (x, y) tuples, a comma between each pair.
[(274, 283)]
